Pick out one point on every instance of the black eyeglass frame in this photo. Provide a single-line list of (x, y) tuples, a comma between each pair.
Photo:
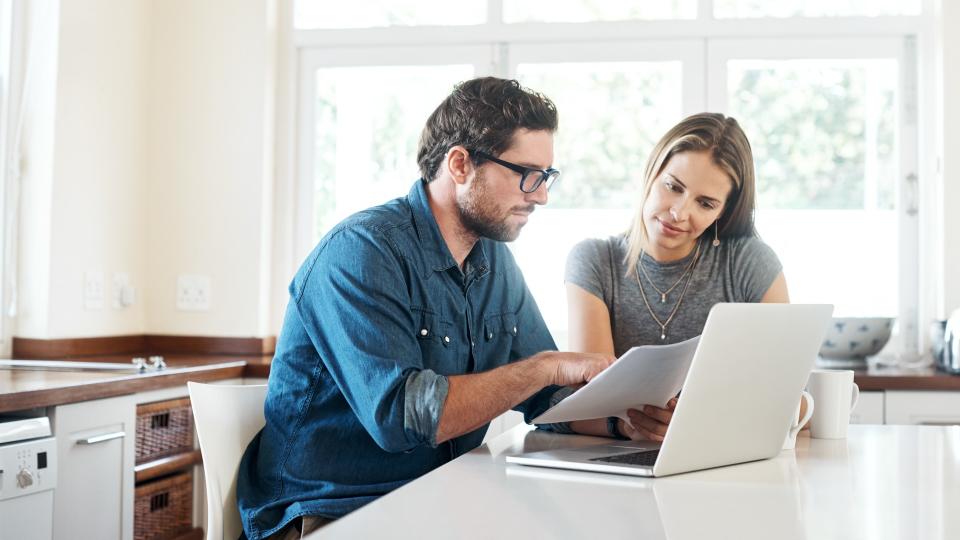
[(550, 175)]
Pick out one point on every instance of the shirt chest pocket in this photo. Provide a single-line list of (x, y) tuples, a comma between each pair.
[(438, 342), (499, 331)]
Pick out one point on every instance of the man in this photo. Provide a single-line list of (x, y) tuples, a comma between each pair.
[(409, 326)]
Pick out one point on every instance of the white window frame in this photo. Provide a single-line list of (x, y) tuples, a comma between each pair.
[(506, 44)]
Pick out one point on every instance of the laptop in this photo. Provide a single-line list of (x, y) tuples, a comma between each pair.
[(738, 398)]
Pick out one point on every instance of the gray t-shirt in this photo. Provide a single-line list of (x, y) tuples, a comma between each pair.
[(738, 270)]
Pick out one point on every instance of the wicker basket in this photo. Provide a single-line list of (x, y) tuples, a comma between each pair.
[(164, 428), (163, 508)]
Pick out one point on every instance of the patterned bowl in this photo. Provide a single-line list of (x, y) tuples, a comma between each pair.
[(856, 337)]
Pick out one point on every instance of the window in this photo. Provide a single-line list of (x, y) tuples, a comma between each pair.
[(367, 111), (831, 140), (833, 124)]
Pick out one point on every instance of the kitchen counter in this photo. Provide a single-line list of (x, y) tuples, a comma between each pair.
[(881, 482), (879, 377), (25, 389), (28, 388)]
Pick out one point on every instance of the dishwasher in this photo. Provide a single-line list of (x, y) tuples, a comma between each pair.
[(28, 476)]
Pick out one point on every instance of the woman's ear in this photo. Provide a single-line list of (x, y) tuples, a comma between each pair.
[(459, 164)]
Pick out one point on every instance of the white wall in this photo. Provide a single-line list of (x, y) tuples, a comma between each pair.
[(39, 106), (149, 145), (210, 168), (82, 202), (98, 218)]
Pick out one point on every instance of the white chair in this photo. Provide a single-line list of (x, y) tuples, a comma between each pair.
[(227, 418)]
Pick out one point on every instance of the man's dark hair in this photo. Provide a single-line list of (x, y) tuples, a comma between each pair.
[(482, 114)]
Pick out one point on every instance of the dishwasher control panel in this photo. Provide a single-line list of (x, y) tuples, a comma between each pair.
[(27, 467)]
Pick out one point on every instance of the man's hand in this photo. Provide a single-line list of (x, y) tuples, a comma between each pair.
[(570, 369), (648, 424)]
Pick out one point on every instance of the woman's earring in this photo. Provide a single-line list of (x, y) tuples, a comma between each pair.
[(716, 233)]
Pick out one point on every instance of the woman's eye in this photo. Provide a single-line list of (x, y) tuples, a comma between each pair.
[(673, 187), (707, 205)]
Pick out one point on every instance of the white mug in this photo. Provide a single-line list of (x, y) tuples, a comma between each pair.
[(791, 439), (836, 395)]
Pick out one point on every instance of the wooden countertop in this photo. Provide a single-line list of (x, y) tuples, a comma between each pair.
[(897, 378), (26, 389), (878, 376)]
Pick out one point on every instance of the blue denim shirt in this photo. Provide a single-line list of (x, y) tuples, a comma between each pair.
[(379, 315)]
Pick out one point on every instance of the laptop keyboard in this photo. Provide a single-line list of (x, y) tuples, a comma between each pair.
[(645, 458)]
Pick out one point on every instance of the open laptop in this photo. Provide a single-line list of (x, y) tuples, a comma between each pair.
[(737, 402)]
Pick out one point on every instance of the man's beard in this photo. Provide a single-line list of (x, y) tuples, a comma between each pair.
[(479, 213)]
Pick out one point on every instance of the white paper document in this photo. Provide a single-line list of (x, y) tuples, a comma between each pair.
[(647, 375)]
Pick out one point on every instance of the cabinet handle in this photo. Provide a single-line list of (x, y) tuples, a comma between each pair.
[(102, 438)]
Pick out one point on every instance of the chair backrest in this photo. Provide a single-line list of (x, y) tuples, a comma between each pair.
[(227, 418)]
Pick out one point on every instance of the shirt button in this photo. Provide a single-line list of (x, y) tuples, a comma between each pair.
[(446, 339), (423, 331), (514, 330), (490, 335), (472, 344)]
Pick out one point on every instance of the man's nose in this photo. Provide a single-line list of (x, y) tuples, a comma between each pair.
[(539, 195)]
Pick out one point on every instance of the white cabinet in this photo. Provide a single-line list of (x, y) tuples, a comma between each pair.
[(95, 446), (869, 408), (936, 408)]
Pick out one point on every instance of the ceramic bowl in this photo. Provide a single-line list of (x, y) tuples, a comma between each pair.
[(856, 337)]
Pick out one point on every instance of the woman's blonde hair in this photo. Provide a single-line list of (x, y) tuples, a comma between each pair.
[(730, 149)]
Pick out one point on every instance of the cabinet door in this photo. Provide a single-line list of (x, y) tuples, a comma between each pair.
[(95, 446), (931, 407), (869, 408)]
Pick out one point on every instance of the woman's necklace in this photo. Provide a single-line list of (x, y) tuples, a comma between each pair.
[(643, 294), (663, 294)]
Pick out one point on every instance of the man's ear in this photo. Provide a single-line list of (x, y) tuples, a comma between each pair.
[(459, 164)]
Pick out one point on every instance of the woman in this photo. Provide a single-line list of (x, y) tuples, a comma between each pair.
[(691, 245)]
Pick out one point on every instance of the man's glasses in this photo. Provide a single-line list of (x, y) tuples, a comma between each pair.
[(530, 179)]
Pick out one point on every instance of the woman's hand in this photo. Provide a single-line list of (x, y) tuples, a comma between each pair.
[(648, 424)]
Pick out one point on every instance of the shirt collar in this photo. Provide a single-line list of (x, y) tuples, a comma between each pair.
[(432, 245)]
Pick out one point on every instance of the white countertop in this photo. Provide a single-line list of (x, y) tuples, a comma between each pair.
[(881, 482)]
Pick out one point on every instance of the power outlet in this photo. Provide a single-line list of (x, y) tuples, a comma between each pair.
[(93, 293), (193, 292), (124, 294)]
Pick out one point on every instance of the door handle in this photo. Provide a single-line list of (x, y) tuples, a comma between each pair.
[(102, 438)]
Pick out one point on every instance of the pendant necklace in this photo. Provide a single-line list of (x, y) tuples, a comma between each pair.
[(663, 294), (683, 292)]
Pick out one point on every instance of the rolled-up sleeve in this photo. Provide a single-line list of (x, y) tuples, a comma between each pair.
[(426, 392), (356, 309)]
